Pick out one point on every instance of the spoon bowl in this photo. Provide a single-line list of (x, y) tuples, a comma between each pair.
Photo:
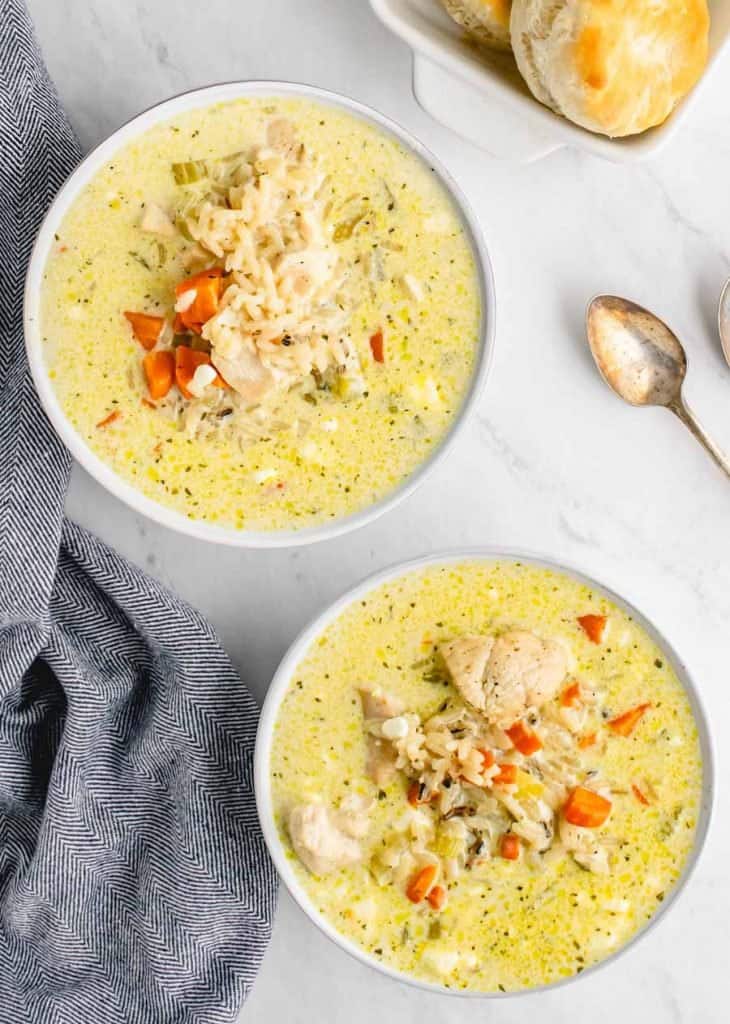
[(637, 354), (643, 361)]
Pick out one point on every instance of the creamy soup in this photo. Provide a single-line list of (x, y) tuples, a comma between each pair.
[(486, 775), (263, 314)]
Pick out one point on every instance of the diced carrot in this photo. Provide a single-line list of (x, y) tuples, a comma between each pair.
[(109, 419), (377, 347), (524, 739), (437, 897), (187, 360), (586, 808), (587, 741), (639, 795), (509, 846), (150, 405), (594, 626), (146, 328), (488, 759), (207, 287), (159, 369), (507, 775), (625, 724), (420, 884), (177, 325), (570, 697)]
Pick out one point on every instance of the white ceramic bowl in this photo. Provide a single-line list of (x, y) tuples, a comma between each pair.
[(287, 670), (99, 469), (483, 98)]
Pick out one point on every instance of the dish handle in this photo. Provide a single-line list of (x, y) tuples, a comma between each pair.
[(477, 117)]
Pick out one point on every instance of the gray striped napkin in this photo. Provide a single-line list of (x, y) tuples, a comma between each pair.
[(134, 882)]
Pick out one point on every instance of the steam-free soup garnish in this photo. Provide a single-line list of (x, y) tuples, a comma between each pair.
[(263, 314), (486, 775)]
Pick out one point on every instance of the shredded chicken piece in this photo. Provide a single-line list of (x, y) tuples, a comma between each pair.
[(380, 760), (523, 671), (503, 677), (319, 841), (378, 704), (595, 859), (352, 816), (466, 659), (586, 848), (380, 756), (156, 222)]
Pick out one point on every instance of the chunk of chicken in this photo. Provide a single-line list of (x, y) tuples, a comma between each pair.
[(378, 704), (245, 373), (380, 754), (502, 678), (466, 659), (321, 845), (523, 667), (380, 760), (594, 860), (353, 815), (587, 851), (156, 222), (280, 134)]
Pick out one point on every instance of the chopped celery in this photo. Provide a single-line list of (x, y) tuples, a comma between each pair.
[(341, 387), (528, 785), (189, 171), (448, 844), (345, 228), (345, 387), (181, 223)]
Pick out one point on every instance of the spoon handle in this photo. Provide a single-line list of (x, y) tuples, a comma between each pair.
[(690, 421)]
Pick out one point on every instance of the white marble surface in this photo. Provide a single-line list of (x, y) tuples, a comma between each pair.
[(552, 462)]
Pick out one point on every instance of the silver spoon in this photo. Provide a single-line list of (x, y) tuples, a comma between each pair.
[(723, 321), (642, 360)]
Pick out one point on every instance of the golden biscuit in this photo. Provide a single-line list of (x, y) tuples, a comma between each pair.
[(616, 67), (487, 21)]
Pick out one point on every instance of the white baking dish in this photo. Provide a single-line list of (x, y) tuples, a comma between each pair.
[(483, 98)]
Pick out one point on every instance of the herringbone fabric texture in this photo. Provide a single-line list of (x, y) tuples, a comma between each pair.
[(134, 883)]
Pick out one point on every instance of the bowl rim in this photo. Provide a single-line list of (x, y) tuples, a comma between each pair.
[(287, 667), (100, 470)]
